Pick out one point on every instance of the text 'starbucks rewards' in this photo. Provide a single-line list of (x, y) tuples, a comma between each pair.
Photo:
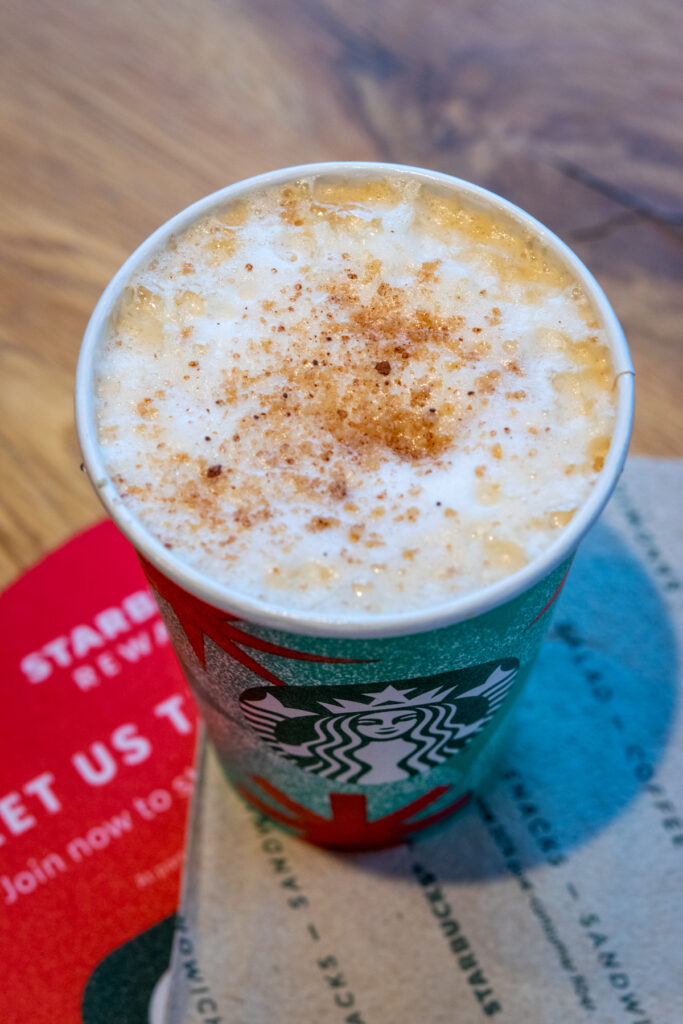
[(355, 418)]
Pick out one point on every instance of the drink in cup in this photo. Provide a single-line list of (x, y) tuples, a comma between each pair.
[(355, 418)]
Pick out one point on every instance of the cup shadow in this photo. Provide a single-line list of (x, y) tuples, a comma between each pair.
[(589, 731)]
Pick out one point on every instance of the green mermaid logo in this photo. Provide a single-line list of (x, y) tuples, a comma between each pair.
[(379, 733)]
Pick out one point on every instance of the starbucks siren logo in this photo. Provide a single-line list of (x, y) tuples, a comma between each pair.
[(379, 733)]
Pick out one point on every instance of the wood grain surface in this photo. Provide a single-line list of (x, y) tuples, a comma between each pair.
[(114, 116)]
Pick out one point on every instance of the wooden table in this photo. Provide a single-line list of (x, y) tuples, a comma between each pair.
[(116, 115)]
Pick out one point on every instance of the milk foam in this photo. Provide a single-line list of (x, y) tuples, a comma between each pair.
[(362, 397)]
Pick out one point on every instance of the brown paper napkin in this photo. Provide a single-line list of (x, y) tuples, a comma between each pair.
[(557, 895)]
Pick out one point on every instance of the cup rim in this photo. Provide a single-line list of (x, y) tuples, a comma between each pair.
[(316, 623)]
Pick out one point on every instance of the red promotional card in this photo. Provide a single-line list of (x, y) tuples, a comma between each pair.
[(97, 740)]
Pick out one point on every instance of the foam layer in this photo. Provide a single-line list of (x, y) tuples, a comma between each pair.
[(363, 397)]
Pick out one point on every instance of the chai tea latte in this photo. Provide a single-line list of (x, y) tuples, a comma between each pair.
[(367, 395)]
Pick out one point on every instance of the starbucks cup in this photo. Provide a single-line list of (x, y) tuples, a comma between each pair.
[(354, 733)]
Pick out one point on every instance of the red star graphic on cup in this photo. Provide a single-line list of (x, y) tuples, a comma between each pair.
[(349, 828), (199, 619)]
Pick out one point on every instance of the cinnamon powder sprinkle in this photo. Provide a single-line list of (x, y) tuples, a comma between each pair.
[(370, 375), (318, 523)]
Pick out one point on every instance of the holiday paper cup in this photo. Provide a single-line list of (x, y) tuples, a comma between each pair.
[(354, 733)]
